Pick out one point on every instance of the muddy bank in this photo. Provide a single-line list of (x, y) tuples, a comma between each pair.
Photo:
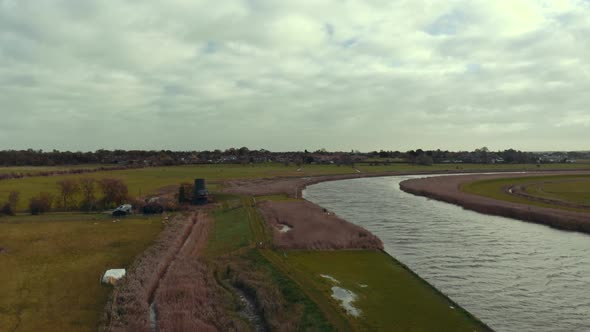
[(447, 189), (310, 227)]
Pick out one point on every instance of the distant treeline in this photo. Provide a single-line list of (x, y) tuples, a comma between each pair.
[(141, 158)]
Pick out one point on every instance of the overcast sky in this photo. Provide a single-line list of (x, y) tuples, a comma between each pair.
[(294, 75)]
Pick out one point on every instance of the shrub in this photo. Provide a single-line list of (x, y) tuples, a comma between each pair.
[(41, 203), (114, 190), (68, 188), (88, 198), (7, 209), (13, 199), (153, 208), (185, 193)]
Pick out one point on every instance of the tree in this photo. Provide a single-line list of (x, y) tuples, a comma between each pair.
[(13, 199), (184, 193), (114, 191), (87, 189), (41, 203), (68, 189), (424, 159)]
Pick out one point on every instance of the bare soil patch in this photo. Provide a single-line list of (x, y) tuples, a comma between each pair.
[(447, 189)]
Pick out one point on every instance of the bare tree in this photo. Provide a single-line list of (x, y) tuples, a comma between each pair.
[(68, 189), (13, 199), (87, 186), (41, 203), (114, 190)]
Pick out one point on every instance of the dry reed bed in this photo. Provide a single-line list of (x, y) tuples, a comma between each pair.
[(189, 298), (314, 228), (128, 307)]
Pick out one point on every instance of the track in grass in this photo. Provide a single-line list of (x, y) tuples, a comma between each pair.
[(567, 192)]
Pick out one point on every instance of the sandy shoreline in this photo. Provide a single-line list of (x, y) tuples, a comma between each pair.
[(447, 189)]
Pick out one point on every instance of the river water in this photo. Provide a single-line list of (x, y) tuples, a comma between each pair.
[(513, 275)]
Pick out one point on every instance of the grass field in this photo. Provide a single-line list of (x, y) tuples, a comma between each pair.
[(575, 191), (569, 188), (51, 267), (149, 180), (388, 296)]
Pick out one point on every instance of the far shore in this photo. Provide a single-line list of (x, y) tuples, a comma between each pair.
[(447, 189)]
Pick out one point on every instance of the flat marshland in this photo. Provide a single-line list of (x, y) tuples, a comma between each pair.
[(52, 263), (144, 181)]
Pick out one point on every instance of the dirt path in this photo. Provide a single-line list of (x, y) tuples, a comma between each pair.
[(521, 190), (187, 298), (447, 189), (171, 287)]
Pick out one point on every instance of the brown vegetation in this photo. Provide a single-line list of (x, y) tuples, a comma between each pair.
[(172, 275), (41, 203), (20, 175), (88, 197), (188, 297), (68, 188), (447, 189), (114, 191), (314, 228), (9, 208)]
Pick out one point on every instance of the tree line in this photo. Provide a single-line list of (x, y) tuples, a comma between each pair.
[(143, 158), (73, 194)]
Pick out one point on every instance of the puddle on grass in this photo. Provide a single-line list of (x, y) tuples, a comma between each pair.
[(285, 228), (249, 311), (329, 277), (346, 298)]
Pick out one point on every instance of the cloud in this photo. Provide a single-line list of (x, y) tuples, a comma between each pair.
[(294, 75)]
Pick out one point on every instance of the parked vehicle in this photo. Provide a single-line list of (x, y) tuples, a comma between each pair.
[(122, 210)]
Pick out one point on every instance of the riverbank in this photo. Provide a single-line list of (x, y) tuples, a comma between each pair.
[(448, 189), (308, 227)]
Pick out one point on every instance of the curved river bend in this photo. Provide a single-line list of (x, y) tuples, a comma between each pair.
[(513, 275)]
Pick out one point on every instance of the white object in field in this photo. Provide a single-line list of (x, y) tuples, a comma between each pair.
[(112, 276)]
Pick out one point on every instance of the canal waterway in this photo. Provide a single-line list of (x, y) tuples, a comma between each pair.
[(513, 275)]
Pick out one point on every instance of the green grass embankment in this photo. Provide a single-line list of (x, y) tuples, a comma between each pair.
[(568, 188)]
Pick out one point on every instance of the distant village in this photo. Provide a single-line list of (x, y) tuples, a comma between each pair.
[(140, 158)]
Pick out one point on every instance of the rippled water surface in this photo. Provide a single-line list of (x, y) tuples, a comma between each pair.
[(513, 275)]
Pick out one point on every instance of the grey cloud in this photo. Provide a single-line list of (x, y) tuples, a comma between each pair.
[(293, 75)]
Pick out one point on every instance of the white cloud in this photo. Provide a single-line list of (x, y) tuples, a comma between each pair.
[(294, 74)]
